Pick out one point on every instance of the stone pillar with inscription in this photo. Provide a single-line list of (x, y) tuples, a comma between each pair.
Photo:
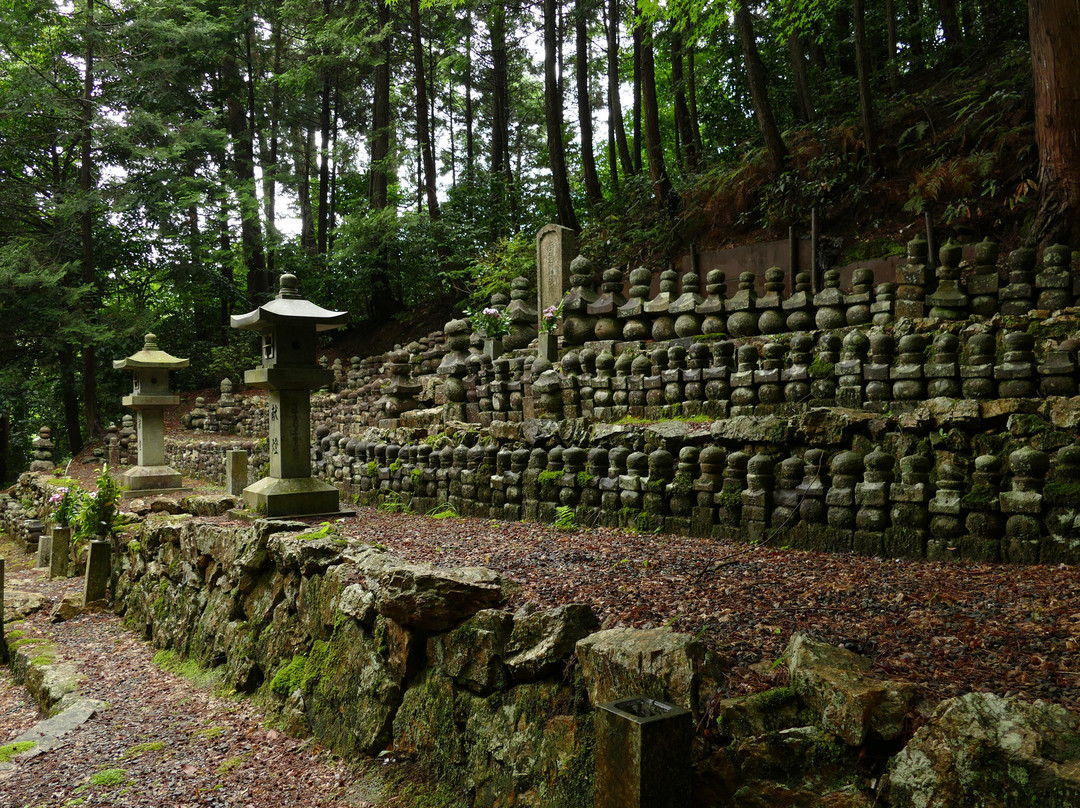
[(556, 247), (289, 325)]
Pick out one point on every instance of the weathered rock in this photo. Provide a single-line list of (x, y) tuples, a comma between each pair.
[(472, 654), (835, 684), (69, 606), (659, 663), (757, 714), (430, 598), (801, 767), (208, 504), (290, 551), (358, 602), (825, 426), (19, 604), (989, 751), (745, 428), (542, 640), (165, 505)]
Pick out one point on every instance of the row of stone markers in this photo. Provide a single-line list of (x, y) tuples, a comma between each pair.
[(1021, 507), (950, 292)]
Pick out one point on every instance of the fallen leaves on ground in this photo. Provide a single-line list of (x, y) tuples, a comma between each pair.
[(949, 627)]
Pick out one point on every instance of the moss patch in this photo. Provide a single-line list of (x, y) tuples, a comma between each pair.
[(8, 751)]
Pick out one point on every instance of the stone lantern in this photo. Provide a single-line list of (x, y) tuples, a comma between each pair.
[(288, 325), (149, 398)]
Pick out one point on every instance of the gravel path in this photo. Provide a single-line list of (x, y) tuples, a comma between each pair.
[(165, 741)]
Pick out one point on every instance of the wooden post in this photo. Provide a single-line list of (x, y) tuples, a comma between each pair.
[(931, 242), (793, 258)]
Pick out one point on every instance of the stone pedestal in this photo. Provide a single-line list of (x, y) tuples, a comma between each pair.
[(236, 472), (98, 570), (58, 555), (642, 754)]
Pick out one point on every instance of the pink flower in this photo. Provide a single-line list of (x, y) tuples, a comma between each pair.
[(490, 312)]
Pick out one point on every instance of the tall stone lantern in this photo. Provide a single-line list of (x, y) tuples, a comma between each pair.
[(288, 325), (149, 398)]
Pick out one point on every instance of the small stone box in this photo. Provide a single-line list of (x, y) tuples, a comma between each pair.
[(642, 754)]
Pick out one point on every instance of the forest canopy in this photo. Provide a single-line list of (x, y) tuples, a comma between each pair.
[(161, 163)]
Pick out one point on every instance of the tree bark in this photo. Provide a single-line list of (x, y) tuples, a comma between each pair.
[(682, 109), (585, 121), (755, 72), (323, 219), (691, 79), (380, 122), (862, 66), (1054, 27), (564, 205), (638, 32), (306, 147), (470, 147), (799, 74), (615, 115), (654, 146), (86, 223), (950, 22), (890, 46), (500, 102), (423, 133), (70, 399)]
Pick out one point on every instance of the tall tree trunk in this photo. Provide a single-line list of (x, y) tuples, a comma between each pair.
[(802, 80), (682, 110), (585, 122), (950, 22), (890, 46), (691, 79), (654, 146), (303, 187), (915, 32), (638, 34), (5, 446), (423, 133), (862, 65), (755, 72), (270, 163), (615, 115), (564, 205), (332, 219), (470, 146), (323, 227), (380, 122), (70, 399), (86, 222), (500, 102), (1054, 27), (240, 132)]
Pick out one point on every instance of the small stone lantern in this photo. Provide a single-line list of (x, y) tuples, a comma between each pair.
[(149, 397), (288, 326)]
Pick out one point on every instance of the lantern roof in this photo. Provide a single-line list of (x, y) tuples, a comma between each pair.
[(150, 357), (288, 305)]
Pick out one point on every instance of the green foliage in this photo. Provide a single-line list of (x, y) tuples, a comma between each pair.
[(96, 511), (494, 269), (565, 519), (444, 511), (106, 778), (289, 676), (393, 502)]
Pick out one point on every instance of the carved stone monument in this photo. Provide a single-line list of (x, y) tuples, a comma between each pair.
[(556, 247), (288, 325), (149, 398)]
